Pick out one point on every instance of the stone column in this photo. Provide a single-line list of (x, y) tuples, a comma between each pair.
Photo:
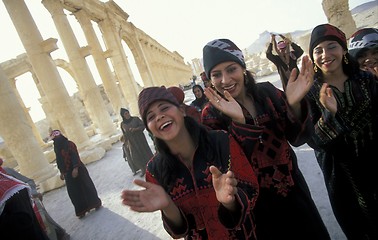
[(19, 138), (46, 106), (339, 15), (142, 62), (35, 131), (88, 89), (120, 64), (46, 71), (106, 74)]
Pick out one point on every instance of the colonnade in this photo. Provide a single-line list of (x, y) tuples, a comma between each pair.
[(156, 65)]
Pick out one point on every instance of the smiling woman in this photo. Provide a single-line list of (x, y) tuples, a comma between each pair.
[(193, 169)]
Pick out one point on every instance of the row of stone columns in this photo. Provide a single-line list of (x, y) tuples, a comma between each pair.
[(87, 85), (24, 143)]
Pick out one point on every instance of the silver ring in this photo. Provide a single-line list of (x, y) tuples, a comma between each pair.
[(218, 100)]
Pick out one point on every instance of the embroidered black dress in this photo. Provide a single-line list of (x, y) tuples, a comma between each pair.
[(346, 150)]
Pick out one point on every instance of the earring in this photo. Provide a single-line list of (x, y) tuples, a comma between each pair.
[(246, 79), (315, 68), (346, 59)]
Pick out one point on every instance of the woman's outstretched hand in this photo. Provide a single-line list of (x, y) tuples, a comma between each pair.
[(150, 199), (225, 187), (228, 106)]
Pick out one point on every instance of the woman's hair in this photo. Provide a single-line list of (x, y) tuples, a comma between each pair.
[(168, 164)]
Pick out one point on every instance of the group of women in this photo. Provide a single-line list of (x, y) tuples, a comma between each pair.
[(235, 176)]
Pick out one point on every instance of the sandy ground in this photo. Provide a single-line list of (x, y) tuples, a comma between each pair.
[(114, 221)]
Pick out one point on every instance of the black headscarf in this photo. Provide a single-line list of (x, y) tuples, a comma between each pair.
[(122, 112)]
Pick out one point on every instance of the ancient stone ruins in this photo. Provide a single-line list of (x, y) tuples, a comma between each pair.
[(24, 147)]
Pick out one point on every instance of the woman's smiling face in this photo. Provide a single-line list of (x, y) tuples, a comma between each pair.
[(228, 76), (328, 56), (165, 120)]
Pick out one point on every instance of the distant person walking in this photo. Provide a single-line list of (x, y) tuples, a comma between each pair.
[(136, 149), (286, 60), (80, 187)]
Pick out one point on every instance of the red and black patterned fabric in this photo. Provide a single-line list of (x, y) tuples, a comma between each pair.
[(193, 191), (81, 190), (326, 32), (284, 199)]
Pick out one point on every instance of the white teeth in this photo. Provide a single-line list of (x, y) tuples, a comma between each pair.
[(229, 87), (165, 124)]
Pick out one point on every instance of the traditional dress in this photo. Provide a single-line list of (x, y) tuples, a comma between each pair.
[(193, 193), (17, 216), (53, 229), (81, 190), (136, 148), (284, 208), (345, 146)]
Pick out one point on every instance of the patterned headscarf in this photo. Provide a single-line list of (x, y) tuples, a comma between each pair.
[(218, 51), (326, 32), (152, 94), (366, 38), (54, 133)]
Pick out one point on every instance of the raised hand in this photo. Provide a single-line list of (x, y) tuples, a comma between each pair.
[(228, 106), (298, 87), (150, 199), (327, 99), (225, 187)]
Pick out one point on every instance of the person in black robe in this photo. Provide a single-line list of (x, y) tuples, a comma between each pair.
[(80, 187)]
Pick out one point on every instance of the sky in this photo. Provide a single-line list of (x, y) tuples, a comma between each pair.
[(184, 26)]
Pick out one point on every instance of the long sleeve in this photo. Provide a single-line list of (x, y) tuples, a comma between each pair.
[(74, 154), (298, 51), (168, 226), (269, 53)]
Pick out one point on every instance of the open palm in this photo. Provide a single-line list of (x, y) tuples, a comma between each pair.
[(150, 199)]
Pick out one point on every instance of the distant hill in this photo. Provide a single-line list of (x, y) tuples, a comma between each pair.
[(260, 44), (365, 15), (363, 7)]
